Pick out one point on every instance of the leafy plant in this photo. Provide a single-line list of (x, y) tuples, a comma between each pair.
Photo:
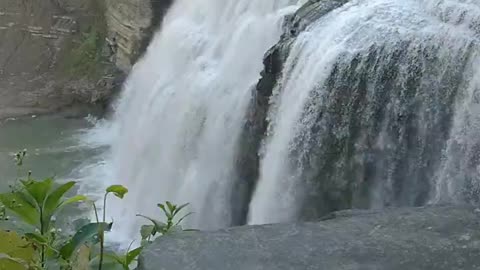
[(125, 260), (37, 203), (83, 235), (171, 211), (119, 191)]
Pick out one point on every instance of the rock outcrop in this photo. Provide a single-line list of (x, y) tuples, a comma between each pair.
[(60, 55), (431, 238), (277, 55), (131, 24), (43, 45)]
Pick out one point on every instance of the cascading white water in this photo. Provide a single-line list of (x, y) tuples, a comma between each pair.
[(367, 97), (183, 108), (376, 105)]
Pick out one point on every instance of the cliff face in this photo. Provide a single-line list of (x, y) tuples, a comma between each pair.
[(63, 54), (131, 24), (127, 21), (48, 53)]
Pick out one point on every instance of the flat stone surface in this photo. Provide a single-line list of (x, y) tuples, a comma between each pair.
[(430, 238)]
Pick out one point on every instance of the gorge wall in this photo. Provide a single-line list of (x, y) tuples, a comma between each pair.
[(59, 55), (131, 23)]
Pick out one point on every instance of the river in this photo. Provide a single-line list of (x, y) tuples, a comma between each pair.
[(56, 147)]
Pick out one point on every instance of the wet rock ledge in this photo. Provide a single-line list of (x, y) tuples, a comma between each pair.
[(429, 238)]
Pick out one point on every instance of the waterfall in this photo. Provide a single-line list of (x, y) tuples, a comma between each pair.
[(377, 105), (183, 107)]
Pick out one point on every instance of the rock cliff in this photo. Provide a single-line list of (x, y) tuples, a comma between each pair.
[(48, 50), (131, 24), (62, 54)]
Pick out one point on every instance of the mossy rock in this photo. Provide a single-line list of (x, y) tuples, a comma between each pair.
[(15, 252)]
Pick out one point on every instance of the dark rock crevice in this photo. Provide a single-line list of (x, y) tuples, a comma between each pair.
[(252, 135)]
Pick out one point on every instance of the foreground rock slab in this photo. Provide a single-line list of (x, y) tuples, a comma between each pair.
[(430, 238)]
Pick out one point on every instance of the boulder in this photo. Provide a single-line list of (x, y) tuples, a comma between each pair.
[(428, 238)]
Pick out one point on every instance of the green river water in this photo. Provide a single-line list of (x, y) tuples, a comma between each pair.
[(53, 144), (56, 147)]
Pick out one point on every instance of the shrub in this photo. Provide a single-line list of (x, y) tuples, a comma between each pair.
[(37, 203)]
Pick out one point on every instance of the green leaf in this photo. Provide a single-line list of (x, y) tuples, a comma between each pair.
[(116, 258), (50, 251), (86, 234), (167, 214), (26, 183), (159, 226), (10, 263), (117, 190), (171, 207), (37, 238), (47, 217), (22, 206), (132, 255), (54, 199), (39, 190), (74, 199), (15, 246), (182, 218), (54, 202), (177, 210), (147, 231)]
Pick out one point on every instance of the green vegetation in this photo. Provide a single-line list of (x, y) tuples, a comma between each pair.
[(15, 252), (170, 211), (41, 245), (86, 58)]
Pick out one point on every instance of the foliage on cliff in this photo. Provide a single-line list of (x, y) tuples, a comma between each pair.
[(87, 57)]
